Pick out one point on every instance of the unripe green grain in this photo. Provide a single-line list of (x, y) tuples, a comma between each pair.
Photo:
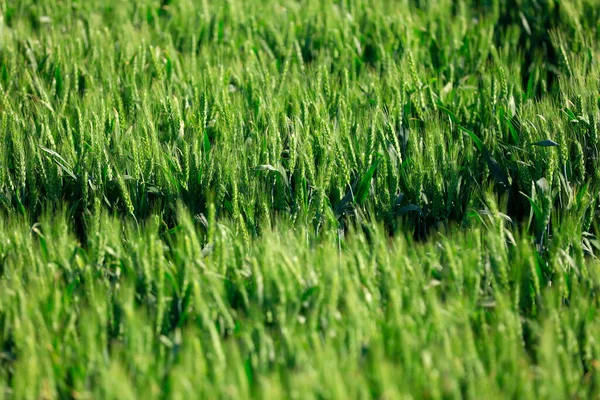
[(84, 190), (579, 104), (593, 128), (552, 167), (413, 70), (18, 153), (578, 162), (503, 84), (564, 60), (185, 160), (589, 216), (309, 161), (370, 145), (432, 100), (495, 91), (125, 196)]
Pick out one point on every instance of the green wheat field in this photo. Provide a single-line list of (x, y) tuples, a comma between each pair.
[(303, 199)]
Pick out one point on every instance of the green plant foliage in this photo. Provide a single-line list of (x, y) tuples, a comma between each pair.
[(299, 199)]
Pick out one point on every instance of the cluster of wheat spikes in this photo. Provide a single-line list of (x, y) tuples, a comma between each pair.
[(299, 199)]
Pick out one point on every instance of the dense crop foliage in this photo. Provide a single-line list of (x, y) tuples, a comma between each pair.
[(321, 199)]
